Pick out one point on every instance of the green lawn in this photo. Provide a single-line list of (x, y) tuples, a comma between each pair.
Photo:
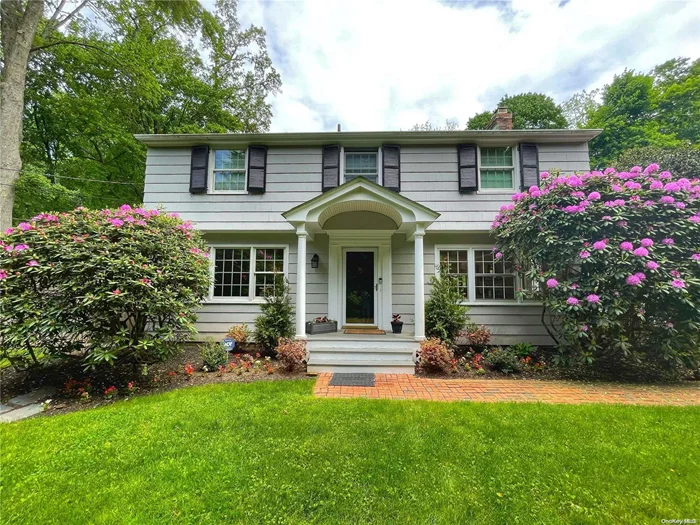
[(269, 452)]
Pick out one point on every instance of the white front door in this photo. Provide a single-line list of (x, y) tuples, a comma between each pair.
[(360, 286)]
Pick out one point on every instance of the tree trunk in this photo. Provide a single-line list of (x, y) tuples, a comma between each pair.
[(18, 30)]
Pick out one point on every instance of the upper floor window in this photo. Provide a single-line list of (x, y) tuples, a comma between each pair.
[(361, 164), (496, 168), (229, 170)]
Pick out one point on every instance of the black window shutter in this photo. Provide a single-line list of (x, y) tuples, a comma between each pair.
[(331, 167), (391, 167), (257, 168), (466, 163), (199, 172), (529, 165)]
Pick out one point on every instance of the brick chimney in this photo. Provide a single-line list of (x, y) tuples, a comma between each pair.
[(502, 119)]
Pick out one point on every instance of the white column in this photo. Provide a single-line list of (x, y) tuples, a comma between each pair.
[(301, 284), (420, 289)]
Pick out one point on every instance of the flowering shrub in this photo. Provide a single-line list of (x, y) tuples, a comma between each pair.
[(434, 355), (110, 392), (615, 257), (291, 353), (477, 336), (239, 333), (104, 285), (189, 369)]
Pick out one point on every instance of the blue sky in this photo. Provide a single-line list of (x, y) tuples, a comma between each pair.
[(388, 65)]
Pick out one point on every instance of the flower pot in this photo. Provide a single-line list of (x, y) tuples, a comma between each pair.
[(397, 327), (321, 328)]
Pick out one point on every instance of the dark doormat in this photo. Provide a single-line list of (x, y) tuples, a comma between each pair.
[(352, 380)]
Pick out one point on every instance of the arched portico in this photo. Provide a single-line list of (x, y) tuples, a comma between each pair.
[(403, 216)]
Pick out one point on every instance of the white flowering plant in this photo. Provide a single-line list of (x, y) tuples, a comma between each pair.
[(614, 259)]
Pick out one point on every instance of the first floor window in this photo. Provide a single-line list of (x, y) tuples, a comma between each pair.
[(480, 276), (496, 168), (361, 164), (229, 170), (246, 272)]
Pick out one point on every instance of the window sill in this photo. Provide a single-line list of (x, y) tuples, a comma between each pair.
[(497, 192), (502, 302), (231, 192)]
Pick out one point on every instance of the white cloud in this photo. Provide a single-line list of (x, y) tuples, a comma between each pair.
[(389, 65)]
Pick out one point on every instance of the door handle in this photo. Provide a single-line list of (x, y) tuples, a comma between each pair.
[(376, 287)]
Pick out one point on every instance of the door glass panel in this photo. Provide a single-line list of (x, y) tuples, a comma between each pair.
[(359, 288)]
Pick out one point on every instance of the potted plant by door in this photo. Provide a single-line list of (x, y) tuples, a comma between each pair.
[(321, 325), (396, 324)]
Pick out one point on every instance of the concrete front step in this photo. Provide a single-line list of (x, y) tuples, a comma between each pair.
[(370, 367)]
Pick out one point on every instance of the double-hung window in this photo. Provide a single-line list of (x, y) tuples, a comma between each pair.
[(496, 168), (228, 171), (361, 164), (481, 277), (245, 273)]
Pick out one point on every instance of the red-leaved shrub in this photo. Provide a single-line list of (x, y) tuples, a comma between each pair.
[(291, 353), (434, 355)]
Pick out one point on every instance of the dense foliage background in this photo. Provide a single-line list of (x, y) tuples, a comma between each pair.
[(615, 259), (102, 286)]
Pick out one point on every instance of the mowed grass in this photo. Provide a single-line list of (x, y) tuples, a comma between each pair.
[(269, 452)]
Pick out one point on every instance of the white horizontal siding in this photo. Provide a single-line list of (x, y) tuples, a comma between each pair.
[(428, 176)]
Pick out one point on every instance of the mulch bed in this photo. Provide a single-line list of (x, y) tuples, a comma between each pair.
[(154, 378)]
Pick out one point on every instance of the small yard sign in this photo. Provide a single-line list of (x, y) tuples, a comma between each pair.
[(228, 344)]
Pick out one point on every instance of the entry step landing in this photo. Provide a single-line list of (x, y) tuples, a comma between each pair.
[(369, 354)]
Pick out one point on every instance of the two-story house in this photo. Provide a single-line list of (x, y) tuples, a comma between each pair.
[(358, 222)]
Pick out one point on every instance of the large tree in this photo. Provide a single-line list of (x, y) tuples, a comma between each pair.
[(149, 67), (530, 111)]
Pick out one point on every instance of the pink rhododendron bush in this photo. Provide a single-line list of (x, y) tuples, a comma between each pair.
[(615, 258), (105, 286)]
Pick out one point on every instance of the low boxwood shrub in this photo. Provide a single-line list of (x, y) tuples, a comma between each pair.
[(502, 360), (106, 286), (276, 320), (615, 259), (213, 355), (291, 353), (434, 355), (445, 315)]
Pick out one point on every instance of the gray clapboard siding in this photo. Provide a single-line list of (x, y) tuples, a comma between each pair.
[(428, 176)]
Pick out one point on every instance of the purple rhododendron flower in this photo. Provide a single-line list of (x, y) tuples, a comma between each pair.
[(600, 245), (552, 283), (652, 265), (593, 196), (665, 175), (24, 226), (667, 199), (633, 280), (593, 298), (9, 231), (635, 169), (616, 187), (647, 242), (608, 171), (640, 276), (668, 241), (675, 273), (606, 217), (3, 275), (544, 175), (678, 283), (695, 257), (651, 168), (584, 254), (572, 301), (116, 222), (32, 263), (498, 255), (680, 205), (641, 252), (21, 247), (695, 219), (656, 185), (632, 185), (626, 246), (125, 207)]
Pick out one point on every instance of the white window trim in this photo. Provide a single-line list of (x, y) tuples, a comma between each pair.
[(380, 175), (211, 181), (250, 299), (516, 170), (471, 277)]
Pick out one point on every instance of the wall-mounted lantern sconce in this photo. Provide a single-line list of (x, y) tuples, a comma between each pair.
[(314, 261)]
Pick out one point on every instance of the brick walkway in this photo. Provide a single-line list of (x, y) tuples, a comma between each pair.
[(402, 386)]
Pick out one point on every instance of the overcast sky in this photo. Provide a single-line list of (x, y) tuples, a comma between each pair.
[(388, 65)]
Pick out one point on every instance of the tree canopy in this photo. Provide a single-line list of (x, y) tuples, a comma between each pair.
[(530, 111)]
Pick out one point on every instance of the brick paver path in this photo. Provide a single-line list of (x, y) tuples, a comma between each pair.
[(404, 386)]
